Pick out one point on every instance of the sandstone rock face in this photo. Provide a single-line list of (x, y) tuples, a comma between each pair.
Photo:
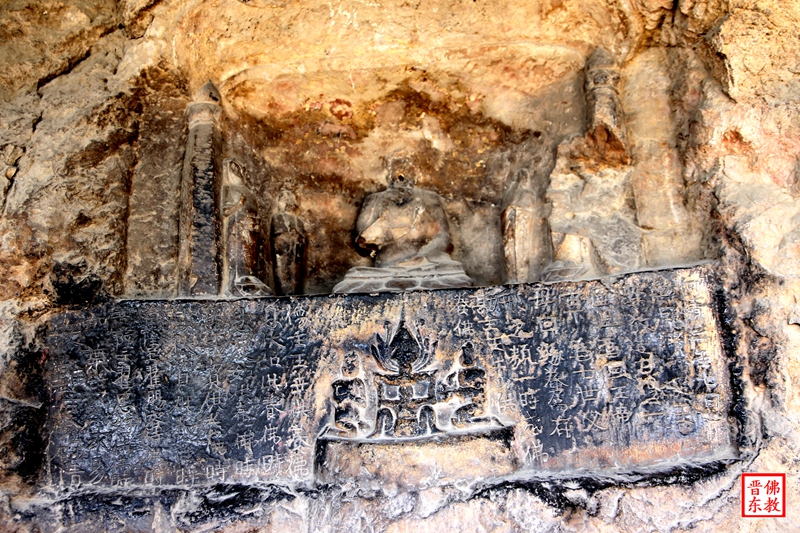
[(44, 39), (314, 99)]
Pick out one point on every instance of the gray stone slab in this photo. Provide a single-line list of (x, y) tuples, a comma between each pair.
[(420, 388)]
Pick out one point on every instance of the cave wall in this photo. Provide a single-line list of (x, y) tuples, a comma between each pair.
[(315, 96)]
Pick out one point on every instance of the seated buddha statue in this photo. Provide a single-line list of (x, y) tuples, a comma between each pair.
[(405, 230)]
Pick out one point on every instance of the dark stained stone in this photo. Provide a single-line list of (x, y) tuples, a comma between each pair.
[(599, 378)]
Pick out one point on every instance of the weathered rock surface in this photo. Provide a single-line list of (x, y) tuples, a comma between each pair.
[(43, 39), (91, 136)]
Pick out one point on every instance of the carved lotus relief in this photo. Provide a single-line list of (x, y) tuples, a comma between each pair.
[(400, 393)]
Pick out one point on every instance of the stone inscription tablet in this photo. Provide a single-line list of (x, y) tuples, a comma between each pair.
[(515, 382)]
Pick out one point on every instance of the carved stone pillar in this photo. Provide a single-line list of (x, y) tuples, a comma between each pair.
[(198, 256), (242, 231), (605, 129)]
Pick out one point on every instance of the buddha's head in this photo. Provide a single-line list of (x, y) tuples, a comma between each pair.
[(602, 71), (402, 174), (287, 201), (235, 173)]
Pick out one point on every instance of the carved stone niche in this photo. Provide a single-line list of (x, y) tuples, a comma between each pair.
[(289, 240), (445, 176), (515, 162), (459, 123)]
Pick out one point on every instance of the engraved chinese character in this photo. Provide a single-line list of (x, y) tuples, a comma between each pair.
[(548, 325), (518, 357), (588, 393), (563, 427), (297, 437), (646, 365), (464, 329), (534, 453), (580, 352), (592, 419), (272, 381), (550, 355), (607, 348), (298, 467), (528, 398), (245, 441)]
